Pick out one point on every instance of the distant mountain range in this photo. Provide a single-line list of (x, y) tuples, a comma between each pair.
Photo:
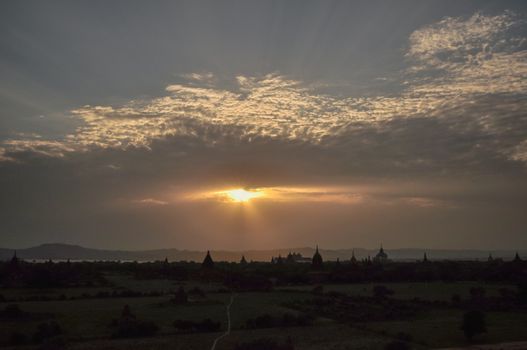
[(59, 251)]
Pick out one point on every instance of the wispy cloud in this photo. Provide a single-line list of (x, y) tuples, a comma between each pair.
[(455, 65), (150, 201)]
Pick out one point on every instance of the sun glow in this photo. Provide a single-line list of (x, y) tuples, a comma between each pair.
[(241, 195)]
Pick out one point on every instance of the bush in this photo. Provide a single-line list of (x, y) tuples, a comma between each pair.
[(54, 343), (287, 320), (522, 293), (197, 292), (13, 311), (397, 345), (381, 292), (46, 330), (473, 324), (404, 336), (207, 325), (477, 292), (184, 325), (265, 344), (318, 290), (455, 299), (180, 297), (128, 326), (135, 329), (17, 338)]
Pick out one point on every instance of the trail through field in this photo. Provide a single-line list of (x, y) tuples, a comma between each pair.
[(228, 331)]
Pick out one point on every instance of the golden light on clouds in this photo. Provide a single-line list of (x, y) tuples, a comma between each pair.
[(281, 194), (242, 195)]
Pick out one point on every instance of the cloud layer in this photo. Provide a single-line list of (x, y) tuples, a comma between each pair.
[(476, 67)]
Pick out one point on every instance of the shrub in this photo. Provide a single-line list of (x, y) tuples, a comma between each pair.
[(184, 325), (473, 324), (265, 344), (522, 293), (381, 292), (135, 328), (17, 338), (197, 292), (318, 290), (404, 336), (455, 299), (53, 343), (46, 330), (128, 326), (180, 297), (287, 320), (13, 311), (207, 325), (477, 292), (397, 345)]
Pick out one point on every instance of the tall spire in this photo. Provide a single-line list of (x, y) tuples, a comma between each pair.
[(208, 263), (14, 259), (353, 258), (316, 262)]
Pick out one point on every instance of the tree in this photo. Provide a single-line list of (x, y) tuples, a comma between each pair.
[(180, 297), (397, 345), (381, 292), (473, 324)]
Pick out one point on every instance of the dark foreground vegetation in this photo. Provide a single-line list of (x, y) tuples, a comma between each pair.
[(281, 305)]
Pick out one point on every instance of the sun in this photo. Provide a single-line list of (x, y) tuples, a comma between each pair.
[(241, 195)]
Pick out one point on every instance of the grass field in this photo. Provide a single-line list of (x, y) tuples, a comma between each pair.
[(86, 322), (427, 291)]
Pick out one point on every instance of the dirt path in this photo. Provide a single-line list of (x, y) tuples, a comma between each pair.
[(228, 331)]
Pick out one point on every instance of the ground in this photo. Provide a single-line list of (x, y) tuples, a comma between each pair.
[(86, 321)]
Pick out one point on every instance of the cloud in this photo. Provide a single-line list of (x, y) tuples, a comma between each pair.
[(468, 78), (319, 194), (459, 57), (150, 201)]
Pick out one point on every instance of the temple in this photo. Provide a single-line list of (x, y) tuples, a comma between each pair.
[(381, 256), (207, 262), (316, 262)]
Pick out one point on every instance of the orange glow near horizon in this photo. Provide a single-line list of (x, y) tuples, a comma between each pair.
[(241, 195), (342, 195)]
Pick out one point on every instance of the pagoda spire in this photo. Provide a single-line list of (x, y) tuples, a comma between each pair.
[(353, 258), (316, 262), (208, 263), (14, 259)]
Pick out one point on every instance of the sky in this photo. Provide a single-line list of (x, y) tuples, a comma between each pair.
[(125, 124)]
